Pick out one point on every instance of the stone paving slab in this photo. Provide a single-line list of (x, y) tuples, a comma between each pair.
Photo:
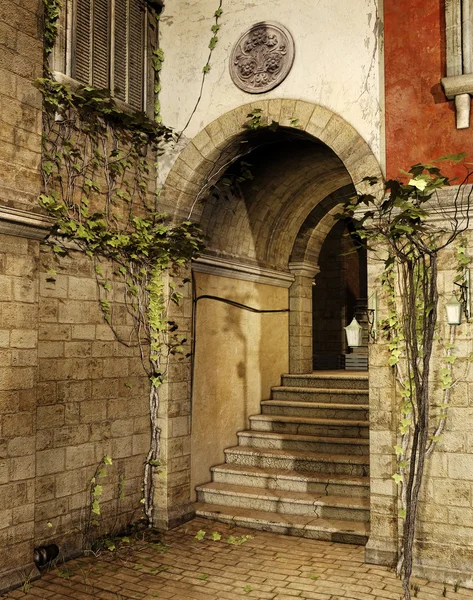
[(268, 567)]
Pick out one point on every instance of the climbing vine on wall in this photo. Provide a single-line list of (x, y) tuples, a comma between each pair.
[(413, 228), (206, 68), (98, 167)]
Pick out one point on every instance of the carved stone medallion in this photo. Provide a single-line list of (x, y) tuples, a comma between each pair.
[(262, 58)]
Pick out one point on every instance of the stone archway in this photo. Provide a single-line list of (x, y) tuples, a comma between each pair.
[(256, 242), (217, 145)]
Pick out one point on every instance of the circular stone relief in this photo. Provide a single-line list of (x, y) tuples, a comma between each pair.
[(262, 58)]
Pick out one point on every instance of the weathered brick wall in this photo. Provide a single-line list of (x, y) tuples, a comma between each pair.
[(20, 143), (20, 103), (445, 519), (92, 402), (18, 352)]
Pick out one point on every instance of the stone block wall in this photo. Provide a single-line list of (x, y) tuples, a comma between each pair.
[(20, 141), (444, 546), (69, 392), (173, 493), (20, 103), (92, 402), (18, 378)]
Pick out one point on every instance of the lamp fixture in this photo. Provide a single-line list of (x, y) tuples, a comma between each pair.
[(464, 286), (454, 311), (459, 303), (372, 314), (354, 333)]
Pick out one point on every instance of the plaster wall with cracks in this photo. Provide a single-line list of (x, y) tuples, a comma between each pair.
[(335, 66)]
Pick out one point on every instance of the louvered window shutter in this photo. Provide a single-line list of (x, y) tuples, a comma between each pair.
[(96, 62), (120, 83), (136, 54), (101, 44), (83, 36)]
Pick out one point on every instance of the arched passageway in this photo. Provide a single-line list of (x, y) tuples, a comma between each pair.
[(339, 294), (267, 200), (274, 208), (267, 197)]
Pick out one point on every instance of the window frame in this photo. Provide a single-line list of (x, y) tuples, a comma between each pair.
[(62, 58)]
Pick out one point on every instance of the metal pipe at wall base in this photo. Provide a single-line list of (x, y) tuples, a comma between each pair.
[(43, 555), (466, 33), (462, 107)]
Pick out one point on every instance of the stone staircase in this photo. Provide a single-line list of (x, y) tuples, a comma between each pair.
[(303, 466)]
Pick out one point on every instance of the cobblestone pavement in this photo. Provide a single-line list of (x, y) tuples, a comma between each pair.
[(268, 566)]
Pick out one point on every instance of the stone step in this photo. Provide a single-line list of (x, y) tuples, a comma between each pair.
[(326, 379), (316, 410), (303, 443), (278, 423), (349, 532), (294, 460), (319, 395), (295, 481), (285, 502)]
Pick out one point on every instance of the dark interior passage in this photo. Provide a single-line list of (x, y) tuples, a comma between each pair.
[(339, 293)]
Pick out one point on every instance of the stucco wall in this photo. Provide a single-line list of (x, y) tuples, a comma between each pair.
[(239, 355), (336, 63), (420, 121)]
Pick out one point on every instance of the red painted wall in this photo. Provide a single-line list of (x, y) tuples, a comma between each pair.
[(420, 121)]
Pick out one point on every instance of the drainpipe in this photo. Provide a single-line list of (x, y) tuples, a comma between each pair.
[(463, 101), (458, 84), (43, 555)]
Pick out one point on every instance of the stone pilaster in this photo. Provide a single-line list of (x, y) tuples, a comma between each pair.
[(300, 317), (173, 491)]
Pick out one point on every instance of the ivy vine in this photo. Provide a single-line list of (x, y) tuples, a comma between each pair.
[(207, 67), (412, 227), (52, 11), (98, 166)]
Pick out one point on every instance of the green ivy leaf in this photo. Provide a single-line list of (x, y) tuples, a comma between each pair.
[(97, 491), (398, 450), (96, 507)]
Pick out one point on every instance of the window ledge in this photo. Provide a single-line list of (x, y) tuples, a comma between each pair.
[(24, 223), (75, 85), (460, 89)]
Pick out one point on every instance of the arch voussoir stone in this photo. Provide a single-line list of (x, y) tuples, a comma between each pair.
[(221, 138), (318, 121), (204, 143), (303, 113)]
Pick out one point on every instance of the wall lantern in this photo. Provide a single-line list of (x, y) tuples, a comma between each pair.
[(354, 333), (454, 311)]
